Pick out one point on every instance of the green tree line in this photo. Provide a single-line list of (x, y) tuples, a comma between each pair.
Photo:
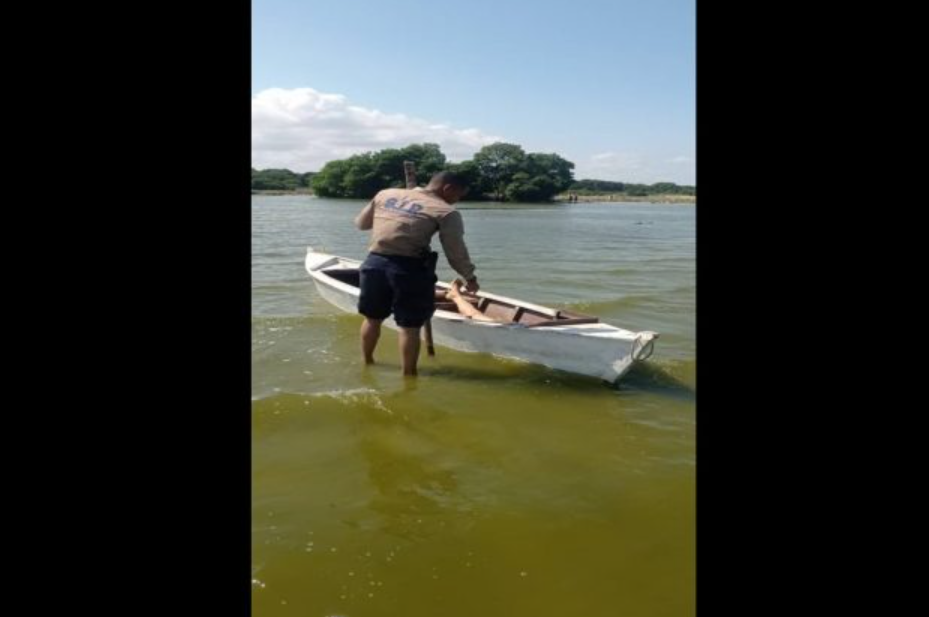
[(279, 180), (500, 171)]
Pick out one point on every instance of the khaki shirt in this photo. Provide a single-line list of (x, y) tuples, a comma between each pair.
[(403, 221)]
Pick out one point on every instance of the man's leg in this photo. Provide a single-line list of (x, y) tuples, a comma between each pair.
[(370, 333), (374, 302), (409, 349)]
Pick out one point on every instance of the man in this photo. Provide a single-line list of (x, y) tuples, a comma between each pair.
[(398, 275)]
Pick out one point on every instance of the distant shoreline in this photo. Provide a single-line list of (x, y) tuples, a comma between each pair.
[(282, 192), (603, 198), (622, 197)]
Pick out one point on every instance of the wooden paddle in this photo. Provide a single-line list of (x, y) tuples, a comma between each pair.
[(409, 171)]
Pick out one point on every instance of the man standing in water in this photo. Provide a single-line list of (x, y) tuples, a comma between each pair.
[(398, 275)]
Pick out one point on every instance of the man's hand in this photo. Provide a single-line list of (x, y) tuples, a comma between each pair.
[(471, 285)]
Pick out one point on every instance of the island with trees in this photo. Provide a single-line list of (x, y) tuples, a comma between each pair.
[(500, 172)]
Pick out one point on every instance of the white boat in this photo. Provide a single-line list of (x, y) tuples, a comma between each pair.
[(558, 339)]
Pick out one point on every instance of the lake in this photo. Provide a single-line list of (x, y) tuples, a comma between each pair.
[(486, 487)]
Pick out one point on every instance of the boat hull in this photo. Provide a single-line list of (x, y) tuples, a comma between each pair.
[(594, 349)]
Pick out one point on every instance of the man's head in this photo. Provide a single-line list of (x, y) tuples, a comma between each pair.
[(448, 185)]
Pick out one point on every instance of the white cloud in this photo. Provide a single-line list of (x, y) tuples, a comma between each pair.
[(302, 129)]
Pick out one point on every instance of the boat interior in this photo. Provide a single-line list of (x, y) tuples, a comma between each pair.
[(498, 310)]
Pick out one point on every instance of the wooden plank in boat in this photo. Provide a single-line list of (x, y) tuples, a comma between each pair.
[(501, 312), (564, 322)]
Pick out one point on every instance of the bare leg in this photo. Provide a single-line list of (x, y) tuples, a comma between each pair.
[(370, 333), (409, 349), (464, 307)]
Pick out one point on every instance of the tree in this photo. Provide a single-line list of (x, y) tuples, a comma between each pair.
[(328, 181), (551, 170), (429, 160), (361, 180), (274, 180), (527, 188), (500, 171), (496, 165), (469, 173), (361, 176)]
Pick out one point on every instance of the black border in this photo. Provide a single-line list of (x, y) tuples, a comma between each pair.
[(147, 229)]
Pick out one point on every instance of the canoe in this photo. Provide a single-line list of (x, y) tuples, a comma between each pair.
[(559, 339)]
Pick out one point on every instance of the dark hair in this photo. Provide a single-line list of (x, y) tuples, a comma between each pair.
[(449, 177)]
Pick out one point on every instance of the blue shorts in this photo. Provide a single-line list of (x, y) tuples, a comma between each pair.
[(404, 286)]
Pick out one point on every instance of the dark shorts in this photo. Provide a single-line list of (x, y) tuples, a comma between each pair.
[(404, 286)]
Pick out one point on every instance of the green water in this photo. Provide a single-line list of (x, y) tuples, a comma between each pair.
[(486, 487)]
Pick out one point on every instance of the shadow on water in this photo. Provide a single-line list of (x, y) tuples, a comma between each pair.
[(643, 377), (655, 379), (522, 374)]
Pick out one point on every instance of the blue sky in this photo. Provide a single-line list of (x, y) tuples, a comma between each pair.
[(607, 84)]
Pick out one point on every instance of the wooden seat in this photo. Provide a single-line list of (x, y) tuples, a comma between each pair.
[(501, 312), (564, 318), (564, 322), (530, 318)]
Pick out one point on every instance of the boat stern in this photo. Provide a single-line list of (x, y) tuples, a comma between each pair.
[(643, 345)]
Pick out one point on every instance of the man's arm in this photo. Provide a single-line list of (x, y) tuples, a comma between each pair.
[(365, 218), (451, 234)]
